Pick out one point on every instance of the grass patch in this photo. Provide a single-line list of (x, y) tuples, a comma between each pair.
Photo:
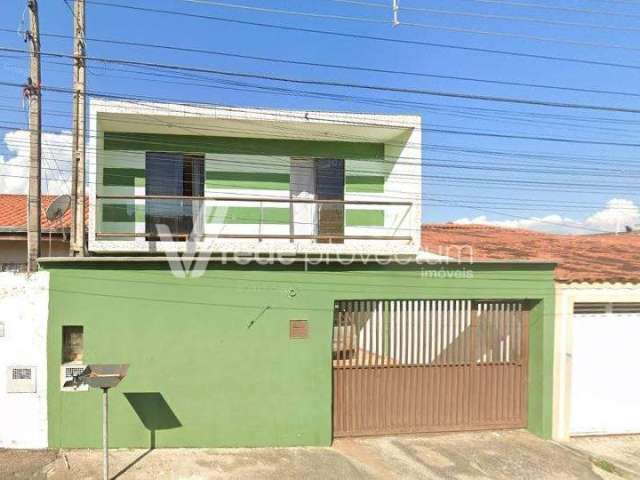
[(604, 465)]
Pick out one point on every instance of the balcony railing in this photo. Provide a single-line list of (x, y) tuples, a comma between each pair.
[(398, 226)]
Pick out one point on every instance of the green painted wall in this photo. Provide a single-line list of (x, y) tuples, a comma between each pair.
[(211, 360), (248, 180), (231, 163), (123, 177), (248, 215), (364, 218), (237, 145), (541, 352), (126, 211), (364, 184)]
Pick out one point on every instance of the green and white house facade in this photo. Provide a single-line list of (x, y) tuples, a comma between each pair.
[(244, 162), (256, 352)]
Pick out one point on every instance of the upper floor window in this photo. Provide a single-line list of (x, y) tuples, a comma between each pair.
[(174, 175), (329, 176)]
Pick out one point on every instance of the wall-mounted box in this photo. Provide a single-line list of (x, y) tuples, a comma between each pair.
[(21, 379), (67, 372), (298, 329)]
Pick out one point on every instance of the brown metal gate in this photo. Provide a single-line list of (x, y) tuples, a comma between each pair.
[(403, 366)]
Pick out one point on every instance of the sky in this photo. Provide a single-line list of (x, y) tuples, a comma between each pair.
[(569, 170)]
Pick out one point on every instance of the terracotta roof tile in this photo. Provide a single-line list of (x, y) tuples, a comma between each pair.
[(581, 258), (13, 213)]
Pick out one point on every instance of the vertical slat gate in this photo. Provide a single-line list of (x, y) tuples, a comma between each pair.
[(407, 366)]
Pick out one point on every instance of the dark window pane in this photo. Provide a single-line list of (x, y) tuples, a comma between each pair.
[(330, 186), (173, 174)]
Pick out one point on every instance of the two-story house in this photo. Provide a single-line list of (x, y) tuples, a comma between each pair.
[(254, 180), (308, 310)]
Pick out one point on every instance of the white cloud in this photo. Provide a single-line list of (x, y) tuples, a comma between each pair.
[(56, 163), (617, 214)]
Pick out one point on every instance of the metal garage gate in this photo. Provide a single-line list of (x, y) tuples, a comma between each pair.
[(403, 366), (604, 396)]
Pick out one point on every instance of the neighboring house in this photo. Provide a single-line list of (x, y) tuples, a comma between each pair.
[(13, 232), (24, 303), (337, 324), (597, 318)]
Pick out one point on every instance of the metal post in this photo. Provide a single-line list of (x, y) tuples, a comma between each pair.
[(79, 115), (105, 433), (35, 125)]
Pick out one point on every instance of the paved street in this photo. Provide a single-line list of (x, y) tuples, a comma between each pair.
[(483, 455)]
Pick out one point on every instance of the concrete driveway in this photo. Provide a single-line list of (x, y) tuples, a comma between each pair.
[(484, 455)]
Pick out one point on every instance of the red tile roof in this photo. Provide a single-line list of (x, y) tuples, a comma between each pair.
[(13, 213), (581, 258)]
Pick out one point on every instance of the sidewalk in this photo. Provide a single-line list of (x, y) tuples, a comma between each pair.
[(482, 455), (620, 450)]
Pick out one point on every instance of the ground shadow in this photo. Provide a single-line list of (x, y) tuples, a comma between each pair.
[(155, 414)]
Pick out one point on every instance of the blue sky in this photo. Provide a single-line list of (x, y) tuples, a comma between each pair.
[(465, 176)]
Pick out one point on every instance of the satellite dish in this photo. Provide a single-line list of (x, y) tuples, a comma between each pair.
[(58, 207)]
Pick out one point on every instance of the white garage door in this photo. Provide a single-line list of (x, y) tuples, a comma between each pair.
[(605, 396)]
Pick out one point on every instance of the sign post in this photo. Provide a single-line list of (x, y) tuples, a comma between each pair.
[(103, 377)]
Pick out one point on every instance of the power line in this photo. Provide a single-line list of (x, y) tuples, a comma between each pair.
[(366, 37), (546, 7), (444, 148), (446, 163), (415, 24), (511, 17), (425, 129), (467, 164), (484, 180), (512, 116), (279, 11), (460, 95), (341, 67), (497, 113)]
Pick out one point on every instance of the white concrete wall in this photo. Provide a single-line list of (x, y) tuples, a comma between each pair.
[(566, 296), (24, 310)]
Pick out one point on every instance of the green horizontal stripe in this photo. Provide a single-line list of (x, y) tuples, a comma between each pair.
[(248, 180), (248, 215), (123, 177), (118, 227), (122, 212), (364, 218), (364, 183), (255, 146)]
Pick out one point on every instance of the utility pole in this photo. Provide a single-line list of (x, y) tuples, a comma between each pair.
[(33, 91), (77, 247)]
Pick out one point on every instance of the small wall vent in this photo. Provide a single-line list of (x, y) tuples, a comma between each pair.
[(67, 372), (21, 380), (589, 308), (603, 308), (626, 307)]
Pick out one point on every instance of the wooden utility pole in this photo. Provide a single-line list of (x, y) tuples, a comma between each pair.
[(33, 91), (77, 246)]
